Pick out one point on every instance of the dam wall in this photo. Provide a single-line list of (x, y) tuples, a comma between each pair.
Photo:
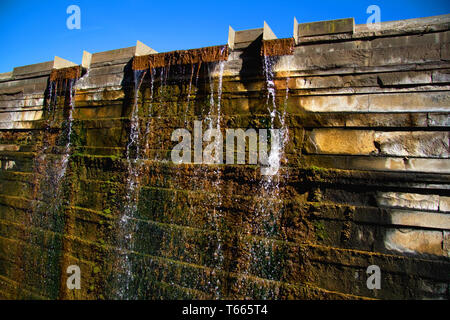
[(361, 174)]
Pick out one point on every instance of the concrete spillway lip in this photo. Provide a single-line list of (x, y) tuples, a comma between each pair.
[(41, 69), (321, 28), (180, 57), (140, 49)]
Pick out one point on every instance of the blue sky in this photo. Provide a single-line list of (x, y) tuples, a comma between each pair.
[(36, 31)]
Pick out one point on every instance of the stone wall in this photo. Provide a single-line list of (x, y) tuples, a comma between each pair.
[(364, 179)]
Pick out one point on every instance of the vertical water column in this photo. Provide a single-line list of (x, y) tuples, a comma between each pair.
[(261, 256), (170, 70), (47, 215), (213, 120), (149, 113), (127, 225)]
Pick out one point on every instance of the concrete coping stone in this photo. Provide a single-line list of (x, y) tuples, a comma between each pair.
[(42, 68), (324, 27), (242, 38)]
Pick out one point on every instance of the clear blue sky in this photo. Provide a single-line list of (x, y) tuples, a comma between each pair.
[(35, 31)]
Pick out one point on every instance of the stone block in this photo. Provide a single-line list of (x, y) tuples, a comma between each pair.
[(438, 120), (405, 55), (445, 51), (413, 144), (408, 200), (243, 38), (430, 220), (405, 78), (111, 55), (6, 76), (339, 141), (33, 68), (441, 76), (414, 101), (444, 204), (330, 56), (415, 241), (326, 27), (342, 103)]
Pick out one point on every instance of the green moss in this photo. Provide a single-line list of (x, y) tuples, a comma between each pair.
[(320, 231)]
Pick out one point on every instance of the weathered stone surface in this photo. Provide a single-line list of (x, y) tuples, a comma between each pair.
[(326, 27), (407, 27), (364, 174), (444, 204), (392, 102), (379, 163), (430, 220), (446, 243), (326, 56), (445, 51), (408, 41), (6, 76), (33, 68), (333, 82), (441, 76), (112, 55), (405, 78), (337, 141), (350, 103), (244, 38), (413, 54), (415, 241), (438, 120), (408, 200), (413, 144)]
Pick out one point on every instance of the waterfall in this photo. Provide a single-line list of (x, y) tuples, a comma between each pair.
[(56, 171), (50, 170), (149, 113), (215, 111), (127, 224), (168, 68), (269, 204), (68, 134)]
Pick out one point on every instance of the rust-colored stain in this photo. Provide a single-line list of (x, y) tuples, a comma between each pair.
[(65, 73), (193, 56), (277, 47)]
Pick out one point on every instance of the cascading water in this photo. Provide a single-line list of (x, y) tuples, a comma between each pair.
[(149, 113), (57, 166), (269, 205), (50, 170), (215, 112), (127, 224), (169, 70)]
